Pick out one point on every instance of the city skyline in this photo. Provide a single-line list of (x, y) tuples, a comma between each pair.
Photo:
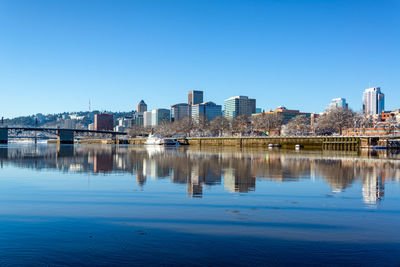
[(335, 102), (59, 55)]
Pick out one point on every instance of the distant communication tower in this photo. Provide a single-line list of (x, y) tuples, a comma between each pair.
[(89, 106)]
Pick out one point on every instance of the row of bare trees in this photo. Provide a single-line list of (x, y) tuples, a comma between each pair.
[(332, 122)]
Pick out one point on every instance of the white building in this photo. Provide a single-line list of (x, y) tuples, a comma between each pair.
[(120, 128), (373, 101), (125, 122), (147, 119)]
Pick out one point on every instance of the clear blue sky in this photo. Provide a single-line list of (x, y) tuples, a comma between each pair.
[(56, 55)]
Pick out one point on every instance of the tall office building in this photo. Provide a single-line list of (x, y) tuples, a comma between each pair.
[(160, 115), (207, 110), (141, 107), (373, 101), (147, 118), (179, 111), (195, 97), (137, 118), (337, 103), (239, 105)]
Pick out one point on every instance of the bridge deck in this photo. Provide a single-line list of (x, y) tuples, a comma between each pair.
[(58, 129)]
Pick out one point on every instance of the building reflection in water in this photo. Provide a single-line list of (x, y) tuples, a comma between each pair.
[(373, 188), (236, 181), (103, 162), (201, 169), (64, 150)]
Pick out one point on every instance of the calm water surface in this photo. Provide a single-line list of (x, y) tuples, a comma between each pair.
[(115, 205)]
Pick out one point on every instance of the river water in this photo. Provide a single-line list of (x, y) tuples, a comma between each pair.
[(136, 205)]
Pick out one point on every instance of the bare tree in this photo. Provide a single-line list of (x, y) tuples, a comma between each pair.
[(391, 125), (165, 129), (241, 124), (201, 125), (137, 130), (184, 126), (334, 121), (341, 118), (267, 123), (323, 126), (219, 125), (299, 125), (361, 120)]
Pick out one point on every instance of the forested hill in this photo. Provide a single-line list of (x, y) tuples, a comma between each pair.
[(53, 120)]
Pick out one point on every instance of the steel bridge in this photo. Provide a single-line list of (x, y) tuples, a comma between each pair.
[(64, 135)]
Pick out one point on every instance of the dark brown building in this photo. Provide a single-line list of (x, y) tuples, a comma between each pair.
[(103, 122)]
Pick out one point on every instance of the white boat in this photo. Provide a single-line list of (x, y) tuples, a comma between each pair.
[(169, 142), (153, 139)]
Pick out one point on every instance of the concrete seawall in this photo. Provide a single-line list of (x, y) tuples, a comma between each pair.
[(284, 142), (342, 143), (306, 142)]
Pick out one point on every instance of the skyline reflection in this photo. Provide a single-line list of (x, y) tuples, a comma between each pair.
[(237, 170)]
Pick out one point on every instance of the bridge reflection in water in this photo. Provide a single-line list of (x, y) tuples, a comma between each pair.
[(238, 170)]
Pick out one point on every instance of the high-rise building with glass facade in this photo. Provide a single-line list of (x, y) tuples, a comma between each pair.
[(195, 97), (373, 101), (179, 111), (160, 115), (207, 110), (239, 105), (337, 103)]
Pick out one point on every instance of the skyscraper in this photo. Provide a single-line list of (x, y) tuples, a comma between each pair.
[(141, 107), (337, 103), (239, 105), (373, 101), (208, 110), (179, 111), (160, 115), (195, 97)]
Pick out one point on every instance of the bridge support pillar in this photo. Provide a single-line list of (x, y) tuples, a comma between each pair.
[(3, 152), (65, 137), (4, 135)]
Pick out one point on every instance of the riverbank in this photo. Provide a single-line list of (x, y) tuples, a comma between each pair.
[(342, 143)]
